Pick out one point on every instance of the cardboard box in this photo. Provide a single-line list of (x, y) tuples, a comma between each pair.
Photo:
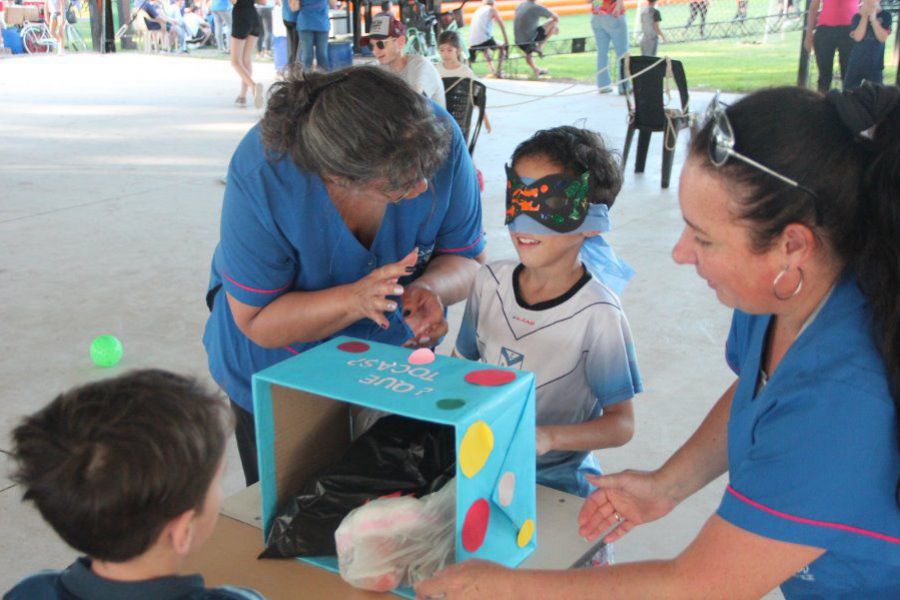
[(302, 425)]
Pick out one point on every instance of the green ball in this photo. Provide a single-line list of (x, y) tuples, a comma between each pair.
[(106, 350)]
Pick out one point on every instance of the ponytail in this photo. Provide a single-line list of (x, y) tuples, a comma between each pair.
[(877, 260)]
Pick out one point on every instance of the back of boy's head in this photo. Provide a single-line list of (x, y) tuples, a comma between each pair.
[(110, 463), (577, 150)]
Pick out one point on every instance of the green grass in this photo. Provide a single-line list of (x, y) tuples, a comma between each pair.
[(735, 65)]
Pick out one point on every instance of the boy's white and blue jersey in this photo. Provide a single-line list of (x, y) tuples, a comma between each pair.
[(813, 456), (579, 347)]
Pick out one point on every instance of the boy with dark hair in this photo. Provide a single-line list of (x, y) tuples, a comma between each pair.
[(127, 471), (555, 311)]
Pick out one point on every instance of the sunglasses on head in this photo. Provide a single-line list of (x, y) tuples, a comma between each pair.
[(721, 146)]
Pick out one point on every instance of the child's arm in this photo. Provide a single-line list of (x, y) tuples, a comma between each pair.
[(881, 33), (467, 340), (860, 32), (615, 427)]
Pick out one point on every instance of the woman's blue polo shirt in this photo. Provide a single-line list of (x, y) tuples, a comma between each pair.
[(280, 232), (813, 458)]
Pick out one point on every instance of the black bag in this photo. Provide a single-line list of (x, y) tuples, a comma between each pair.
[(71, 15), (397, 455)]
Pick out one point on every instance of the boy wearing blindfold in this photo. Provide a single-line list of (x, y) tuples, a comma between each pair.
[(556, 311)]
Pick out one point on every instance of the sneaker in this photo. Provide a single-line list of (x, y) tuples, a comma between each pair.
[(240, 102), (605, 90), (258, 95)]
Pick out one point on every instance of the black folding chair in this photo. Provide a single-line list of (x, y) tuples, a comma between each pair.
[(647, 112), (463, 96)]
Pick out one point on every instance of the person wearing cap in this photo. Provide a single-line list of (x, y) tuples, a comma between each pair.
[(387, 39)]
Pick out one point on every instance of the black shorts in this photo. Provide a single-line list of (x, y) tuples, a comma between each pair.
[(488, 44), (539, 36), (245, 21)]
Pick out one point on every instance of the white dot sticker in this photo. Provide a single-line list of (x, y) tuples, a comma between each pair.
[(506, 488)]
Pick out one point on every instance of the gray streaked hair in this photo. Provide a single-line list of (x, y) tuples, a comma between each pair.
[(358, 124)]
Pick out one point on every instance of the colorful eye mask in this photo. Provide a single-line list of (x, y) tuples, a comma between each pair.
[(558, 202)]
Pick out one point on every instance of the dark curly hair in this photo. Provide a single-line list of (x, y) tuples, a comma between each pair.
[(577, 150), (357, 124)]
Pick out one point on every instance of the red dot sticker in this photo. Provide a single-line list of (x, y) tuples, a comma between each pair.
[(354, 347), (476, 524), (490, 377)]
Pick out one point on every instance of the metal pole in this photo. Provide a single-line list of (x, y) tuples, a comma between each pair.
[(96, 29), (103, 26), (124, 14), (803, 68)]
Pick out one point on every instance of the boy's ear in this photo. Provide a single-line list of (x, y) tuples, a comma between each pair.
[(180, 532)]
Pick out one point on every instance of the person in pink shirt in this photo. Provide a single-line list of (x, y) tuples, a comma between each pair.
[(828, 31)]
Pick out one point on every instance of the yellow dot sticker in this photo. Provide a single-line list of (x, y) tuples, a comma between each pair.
[(526, 532), (475, 448)]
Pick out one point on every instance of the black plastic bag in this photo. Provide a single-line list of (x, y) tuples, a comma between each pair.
[(397, 455)]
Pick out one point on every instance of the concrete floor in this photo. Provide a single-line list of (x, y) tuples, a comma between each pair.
[(109, 213)]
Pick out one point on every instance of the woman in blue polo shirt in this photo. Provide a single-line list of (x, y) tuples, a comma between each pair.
[(804, 246), (351, 209)]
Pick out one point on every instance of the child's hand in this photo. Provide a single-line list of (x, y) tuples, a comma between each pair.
[(423, 312), (543, 442)]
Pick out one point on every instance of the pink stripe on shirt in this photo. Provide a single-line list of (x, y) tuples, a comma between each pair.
[(252, 289), (849, 528)]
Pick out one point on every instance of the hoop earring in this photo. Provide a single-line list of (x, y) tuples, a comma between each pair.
[(796, 289)]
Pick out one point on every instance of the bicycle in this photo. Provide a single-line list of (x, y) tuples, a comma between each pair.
[(73, 37), (36, 38)]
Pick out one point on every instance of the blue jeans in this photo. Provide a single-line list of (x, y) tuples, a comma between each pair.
[(222, 28), (319, 39), (608, 28)]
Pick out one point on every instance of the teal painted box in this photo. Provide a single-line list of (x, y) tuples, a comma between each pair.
[(302, 411)]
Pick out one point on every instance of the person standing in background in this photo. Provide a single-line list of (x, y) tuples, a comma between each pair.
[(871, 29), (829, 31), (609, 25), (650, 31), (245, 30), (289, 11), (221, 12), (313, 24), (264, 43)]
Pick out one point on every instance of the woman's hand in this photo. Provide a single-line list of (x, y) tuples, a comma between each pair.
[(633, 496), (469, 580), (423, 312), (370, 294)]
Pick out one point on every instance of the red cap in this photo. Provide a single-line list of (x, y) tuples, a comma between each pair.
[(383, 26)]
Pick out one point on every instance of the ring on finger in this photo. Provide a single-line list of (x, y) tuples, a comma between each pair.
[(618, 517)]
